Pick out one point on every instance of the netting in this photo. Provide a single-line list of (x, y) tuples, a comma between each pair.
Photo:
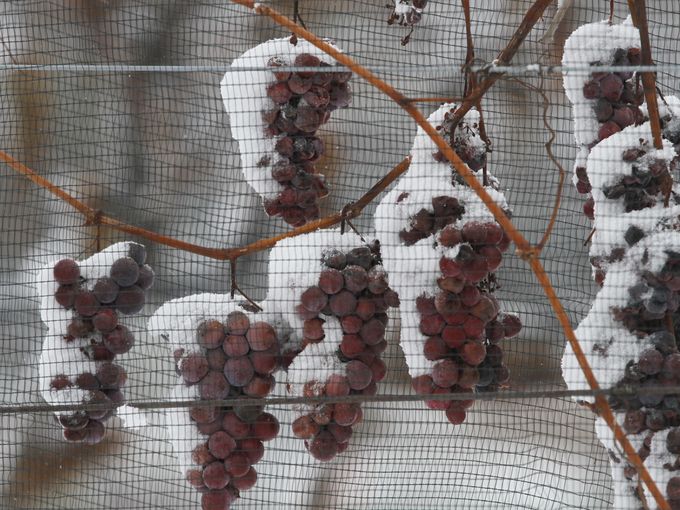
[(208, 134)]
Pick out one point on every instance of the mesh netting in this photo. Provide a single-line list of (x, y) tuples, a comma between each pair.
[(149, 115)]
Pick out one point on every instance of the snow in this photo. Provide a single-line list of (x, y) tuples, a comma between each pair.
[(593, 42), (415, 268), (245, 96), (59, 357)]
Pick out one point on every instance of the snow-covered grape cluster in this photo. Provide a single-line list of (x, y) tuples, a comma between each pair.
[(604, 103), (221, 352), (238, 358), (279, 139), (463, 137), (87, 333), (442, 249), (342, 298), (407, 13), (630, 332), (353, 288)]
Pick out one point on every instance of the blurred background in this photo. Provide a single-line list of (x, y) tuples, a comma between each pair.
[(126, 114)]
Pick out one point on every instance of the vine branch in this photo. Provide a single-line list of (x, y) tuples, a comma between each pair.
[(548, 149)]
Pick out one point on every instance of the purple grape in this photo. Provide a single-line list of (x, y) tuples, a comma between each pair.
[(105, 290), (124, 271), (130, 300), (66, 272)]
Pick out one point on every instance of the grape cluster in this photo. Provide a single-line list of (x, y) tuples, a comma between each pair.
[(353, 288), (96, 313), (303, 101), (238, 358), (407, 13), (640, 189), (651, 301), (463, 137), (617, 99), (617, 96), (462, 322), (445, 211)]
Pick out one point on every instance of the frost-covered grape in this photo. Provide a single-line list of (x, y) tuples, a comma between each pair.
[(221, 444), (124, 271), (213, 386), (193, 368), (239, 371), (105, 290), (245, 482), (130, 300), (119, 341), (105, 320), (265, 427), (66, 272), (215, 476), (237, 323), (211, 334), (359, 375), (261, 336), (237, 465)]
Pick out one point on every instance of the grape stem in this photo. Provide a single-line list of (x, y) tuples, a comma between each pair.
[(548, 149)]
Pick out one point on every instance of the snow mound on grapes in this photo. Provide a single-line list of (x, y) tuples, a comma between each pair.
[(244, 93), (418, 265), (57, 358), (591, 43)]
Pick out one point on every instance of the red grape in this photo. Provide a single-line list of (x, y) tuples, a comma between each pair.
[(235, 346), (211, 334), (261, 336), (331, 281), (66, 272), (245, 482), (239, 371), (237, 465), (124, 271), (221, 444), (323, 447), (215, 476)]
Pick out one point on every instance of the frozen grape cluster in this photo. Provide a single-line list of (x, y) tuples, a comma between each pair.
[(302, 103), (630, 332), (91, 298), (603, 102), (462, 321), (407, 13), (354, 290), (222, 353), (442, 249), (238, 358), (337, 295), (464, 138), (276, 115)]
